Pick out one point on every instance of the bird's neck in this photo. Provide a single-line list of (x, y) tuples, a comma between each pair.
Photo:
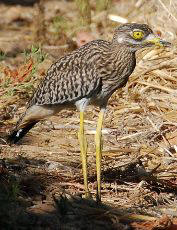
[(118, 60), (115, 67), (121, 51)]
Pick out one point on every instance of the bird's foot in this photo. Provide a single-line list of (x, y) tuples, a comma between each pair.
[(88, 195)]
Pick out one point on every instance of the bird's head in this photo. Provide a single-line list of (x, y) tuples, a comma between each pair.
[(136, 36)]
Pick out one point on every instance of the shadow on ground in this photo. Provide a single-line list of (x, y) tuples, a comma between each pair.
[(19, 2), (31, 197), (26, 204)]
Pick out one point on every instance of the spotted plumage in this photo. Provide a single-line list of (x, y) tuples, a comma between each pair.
[(89, 75), (84, 74)]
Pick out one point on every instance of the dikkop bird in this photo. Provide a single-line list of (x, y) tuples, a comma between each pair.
[(88, 75)]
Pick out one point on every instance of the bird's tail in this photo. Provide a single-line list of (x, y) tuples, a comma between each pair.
[(24, 124), (32, 116), (18, 133)]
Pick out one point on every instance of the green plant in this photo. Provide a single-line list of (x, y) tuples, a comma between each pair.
[(14, 191), (36, 54), (60, 24), (103, 4), (2, 55), (85, 11), (10, 189)]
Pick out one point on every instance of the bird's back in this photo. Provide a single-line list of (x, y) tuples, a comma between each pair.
[(72, 77)]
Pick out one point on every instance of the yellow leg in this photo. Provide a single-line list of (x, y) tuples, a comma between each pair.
[(98, 143), (83, 148)]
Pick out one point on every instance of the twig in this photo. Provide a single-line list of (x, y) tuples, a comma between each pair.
[(163, 5), (158, 130), (130, 136), (158, 87)]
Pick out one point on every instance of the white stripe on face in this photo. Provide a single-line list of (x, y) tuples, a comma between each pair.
[(151, 37)]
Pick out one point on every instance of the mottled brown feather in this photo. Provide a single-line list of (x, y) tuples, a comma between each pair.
[(93, 72)]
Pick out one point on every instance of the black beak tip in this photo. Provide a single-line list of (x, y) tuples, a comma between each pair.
[(165, 43)]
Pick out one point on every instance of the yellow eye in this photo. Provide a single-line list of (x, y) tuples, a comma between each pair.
[(138, 35)]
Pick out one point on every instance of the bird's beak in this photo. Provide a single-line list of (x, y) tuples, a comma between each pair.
[(155, 40)]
